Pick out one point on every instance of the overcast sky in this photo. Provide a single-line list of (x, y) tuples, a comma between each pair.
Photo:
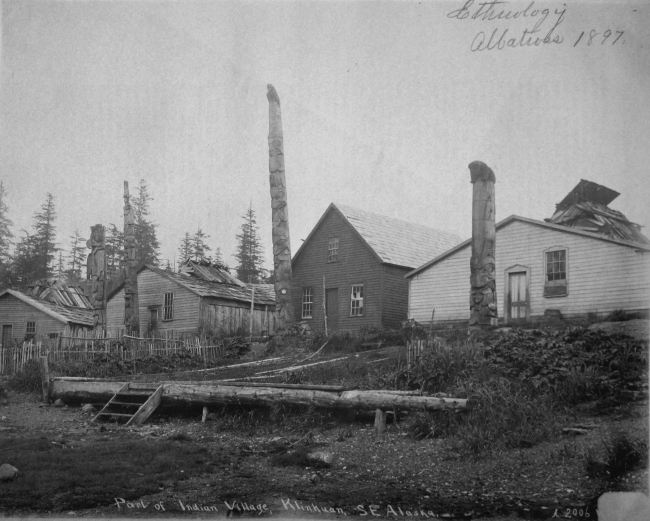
[(384, 104)]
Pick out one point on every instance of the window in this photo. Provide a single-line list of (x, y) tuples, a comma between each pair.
[(555, 273), (356, 300), (307, 302), (333, 250), (30, 329), (168, 308)]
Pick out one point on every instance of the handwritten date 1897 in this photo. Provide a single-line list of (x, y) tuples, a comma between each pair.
[(597, 38)]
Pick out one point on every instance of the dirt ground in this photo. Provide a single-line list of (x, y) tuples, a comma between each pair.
[(391, 476)]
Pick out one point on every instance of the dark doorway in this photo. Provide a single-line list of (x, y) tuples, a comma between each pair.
[(153, 322), (7, 336), (332, 308)]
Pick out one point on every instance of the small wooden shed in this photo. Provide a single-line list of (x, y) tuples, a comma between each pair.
[(193, 301), (25, 316)]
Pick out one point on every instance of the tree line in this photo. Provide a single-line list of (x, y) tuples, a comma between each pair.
[(36, 254)]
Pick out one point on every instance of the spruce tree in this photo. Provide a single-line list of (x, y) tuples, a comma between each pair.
[(114, 252), (146, 242), (5, 240), (24, 269), (78, 255), (199, 248), (185, 249), (44, 238), (217, 257), (249, 254)]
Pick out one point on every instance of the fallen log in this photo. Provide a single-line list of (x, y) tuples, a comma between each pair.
[(205, 394)]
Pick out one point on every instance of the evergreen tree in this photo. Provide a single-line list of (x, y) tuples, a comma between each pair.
[(185, 249), (168, 266), (114, 252), (44, 237), (5, 240), (199, 248), (24, 266), (60, 268), (78, 256), (146, 242), (218, 258), (249, 251)]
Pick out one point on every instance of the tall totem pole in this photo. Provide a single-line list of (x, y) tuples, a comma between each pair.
[(131, 314), (483, 294), (280, 213), (96, 273)]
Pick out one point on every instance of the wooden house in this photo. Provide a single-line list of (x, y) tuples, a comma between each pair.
[(200, 299), (352, 265), (27, 316), (542, 268)]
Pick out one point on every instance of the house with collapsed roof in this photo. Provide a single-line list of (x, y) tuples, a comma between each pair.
[(200, 298), (49, 308), (350, 269), (587, 259)]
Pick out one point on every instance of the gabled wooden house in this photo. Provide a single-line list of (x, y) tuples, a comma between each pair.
[(200, 299), (23, 317), (542, 269), (352, 265)]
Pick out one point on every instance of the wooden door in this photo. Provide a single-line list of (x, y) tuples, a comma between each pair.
[(332, 308), (7, 336), (153, 322), (517, 296)]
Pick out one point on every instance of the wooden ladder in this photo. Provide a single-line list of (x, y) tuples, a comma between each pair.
[(135, 401)]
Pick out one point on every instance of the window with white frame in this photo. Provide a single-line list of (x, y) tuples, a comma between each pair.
[(356, 300), (307, 302), (168, 307), (555, 273), (333, 250), (30, 329)]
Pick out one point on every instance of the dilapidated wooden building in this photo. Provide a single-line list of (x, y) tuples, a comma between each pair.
[(201, 298), (24, 317), (353, 264)]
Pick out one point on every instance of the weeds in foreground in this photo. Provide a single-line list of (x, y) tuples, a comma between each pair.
[(622, 455)]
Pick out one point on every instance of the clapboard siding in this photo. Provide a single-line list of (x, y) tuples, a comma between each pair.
[(115, 312), (16, 313), (151, 290), (357, 265), (602, 276), (396, 294)]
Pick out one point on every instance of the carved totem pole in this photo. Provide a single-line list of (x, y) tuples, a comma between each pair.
[(131, 314), (96, 273), (280, 213), (483, 294)]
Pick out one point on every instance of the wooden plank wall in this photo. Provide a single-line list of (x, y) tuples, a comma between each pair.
[(602, 276), (232, 319), (396, 292), (356, 265)]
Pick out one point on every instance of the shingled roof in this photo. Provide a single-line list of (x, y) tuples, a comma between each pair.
[(585, 208), (66, 315), (264, 293), (394, 241)]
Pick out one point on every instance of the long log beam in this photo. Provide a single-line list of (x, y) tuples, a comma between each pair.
[(216, 394)]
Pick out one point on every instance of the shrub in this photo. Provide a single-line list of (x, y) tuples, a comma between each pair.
[(28, 380), (622, 454)]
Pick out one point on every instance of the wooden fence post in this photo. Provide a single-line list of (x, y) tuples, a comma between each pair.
[(45, 379)]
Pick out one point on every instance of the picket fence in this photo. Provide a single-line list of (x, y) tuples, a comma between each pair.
[(89, 345)]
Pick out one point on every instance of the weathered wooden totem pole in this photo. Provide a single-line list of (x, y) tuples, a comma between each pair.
[(96, 273), (483, 294), (131, 314), (280, 213)]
